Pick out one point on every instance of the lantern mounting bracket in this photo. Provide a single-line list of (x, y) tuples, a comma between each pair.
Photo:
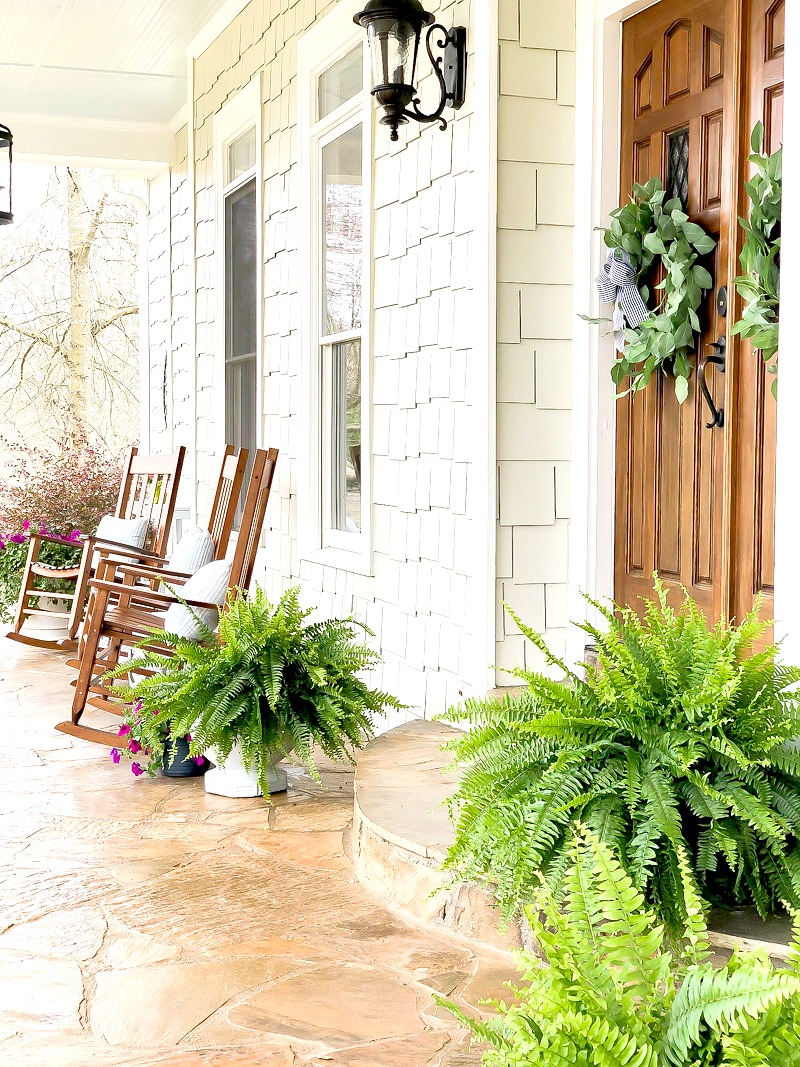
[(450, 69)]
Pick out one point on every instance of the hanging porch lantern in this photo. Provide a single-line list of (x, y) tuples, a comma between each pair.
[(6, 140), (394, 29)]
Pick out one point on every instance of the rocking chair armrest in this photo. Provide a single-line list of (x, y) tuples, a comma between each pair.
[(104, 545), (54, 540), (137, 570), (149, 596)]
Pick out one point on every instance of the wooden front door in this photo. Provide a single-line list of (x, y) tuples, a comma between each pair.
[(694, 502)]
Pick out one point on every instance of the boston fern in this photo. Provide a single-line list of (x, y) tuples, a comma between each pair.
[(681, 739), (266, 680), (612, 996)]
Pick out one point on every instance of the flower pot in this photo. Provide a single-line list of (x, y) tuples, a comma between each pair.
[(235, 780), (51, 626), (177, 761)]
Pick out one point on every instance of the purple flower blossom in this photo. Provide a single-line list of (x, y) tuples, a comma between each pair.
[(116, 755), (136, 769), (18, 539), (134, 747), (124, 730), (26, 525), (199, 760), (75, 535)]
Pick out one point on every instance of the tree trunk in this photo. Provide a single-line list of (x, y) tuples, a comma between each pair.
[(82, 225)]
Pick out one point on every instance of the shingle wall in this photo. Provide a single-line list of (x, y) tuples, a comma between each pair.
[(534, 321), (417, 600)]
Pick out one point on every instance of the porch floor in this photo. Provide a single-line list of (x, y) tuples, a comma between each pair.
[(147, 922)]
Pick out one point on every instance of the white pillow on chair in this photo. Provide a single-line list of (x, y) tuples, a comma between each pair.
[(131, 532), (209, 584), (194, 550)]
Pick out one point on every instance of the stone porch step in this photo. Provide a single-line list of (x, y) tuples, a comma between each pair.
[(401, 832)]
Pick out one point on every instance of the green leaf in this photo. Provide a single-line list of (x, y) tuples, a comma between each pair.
[(702, 277), (681, 389), (653, 243)]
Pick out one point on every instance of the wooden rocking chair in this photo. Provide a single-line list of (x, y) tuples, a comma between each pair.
[(127, 615), (148, 490), (153, 569)]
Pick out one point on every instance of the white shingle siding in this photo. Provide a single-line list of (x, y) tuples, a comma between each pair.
[(426, 378), (534, 322)]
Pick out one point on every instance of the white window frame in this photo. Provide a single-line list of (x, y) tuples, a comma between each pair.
[(237, 116), (326, 42)]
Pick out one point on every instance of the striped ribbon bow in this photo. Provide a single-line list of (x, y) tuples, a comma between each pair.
[(616, 284)]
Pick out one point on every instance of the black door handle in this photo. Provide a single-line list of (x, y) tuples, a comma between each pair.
[(718, 360)]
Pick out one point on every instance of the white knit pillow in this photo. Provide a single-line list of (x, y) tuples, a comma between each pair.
[(210, 584), (194, 550), (131, 532)]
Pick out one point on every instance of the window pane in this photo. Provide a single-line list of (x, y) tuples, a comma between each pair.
[(340, 83), (240, 271), (241, 275), (241, 154), (342, 207), (345, 400)]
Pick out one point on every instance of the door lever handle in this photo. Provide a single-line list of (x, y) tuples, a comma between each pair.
[(718, 360)]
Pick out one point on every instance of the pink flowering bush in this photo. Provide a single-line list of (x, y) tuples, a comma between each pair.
[(59, 493), (69, 488)]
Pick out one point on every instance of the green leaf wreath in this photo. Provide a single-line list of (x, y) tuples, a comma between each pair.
[(613, 995), (650, 228), (759, 285)]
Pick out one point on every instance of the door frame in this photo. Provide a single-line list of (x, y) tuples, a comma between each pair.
[(593, 435)]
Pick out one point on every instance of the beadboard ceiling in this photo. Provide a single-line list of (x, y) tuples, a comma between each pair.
[(98, 59)]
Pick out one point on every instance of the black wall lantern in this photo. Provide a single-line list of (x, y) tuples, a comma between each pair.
[(394, 28), (6, 141)]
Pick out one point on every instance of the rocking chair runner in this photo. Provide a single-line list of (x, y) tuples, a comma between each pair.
[(148, 490), (131, 617)]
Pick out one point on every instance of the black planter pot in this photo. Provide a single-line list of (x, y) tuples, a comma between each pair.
[(177, 761)]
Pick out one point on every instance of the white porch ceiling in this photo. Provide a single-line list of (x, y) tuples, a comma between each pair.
[(112, 60)]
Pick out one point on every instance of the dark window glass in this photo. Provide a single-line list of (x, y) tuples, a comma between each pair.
[(678, 183), (240, 320)]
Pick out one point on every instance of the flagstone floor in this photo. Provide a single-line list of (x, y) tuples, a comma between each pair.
[(146, 922)]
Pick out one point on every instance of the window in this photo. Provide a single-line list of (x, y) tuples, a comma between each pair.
[(237, 139), (336, 122)]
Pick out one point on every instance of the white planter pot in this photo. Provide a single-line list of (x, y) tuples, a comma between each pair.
[(235, 780), (47, 627)]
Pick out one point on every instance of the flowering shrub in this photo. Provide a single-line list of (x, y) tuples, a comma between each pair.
[(74, 486), (13, 553), (153, 757), (60, 493)]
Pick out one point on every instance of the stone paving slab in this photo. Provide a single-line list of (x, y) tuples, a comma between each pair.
[(144, 922)]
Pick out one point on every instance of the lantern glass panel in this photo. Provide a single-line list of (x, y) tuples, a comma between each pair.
[(392, 44)]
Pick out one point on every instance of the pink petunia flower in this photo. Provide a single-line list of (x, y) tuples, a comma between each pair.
[(134, 746), (116, 755), (124, 730), (199, 760), (136, 769), (26, 525), (18, 539)]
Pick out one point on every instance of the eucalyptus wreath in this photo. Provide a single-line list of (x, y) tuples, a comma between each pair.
[(647, 229), (760, 283)]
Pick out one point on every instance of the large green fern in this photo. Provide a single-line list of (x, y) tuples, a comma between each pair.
[(612, 995), (683, 738), (266, 680)]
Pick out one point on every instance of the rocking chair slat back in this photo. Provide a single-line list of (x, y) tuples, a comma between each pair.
[(223, 510), (255, 509), (148, 491)]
